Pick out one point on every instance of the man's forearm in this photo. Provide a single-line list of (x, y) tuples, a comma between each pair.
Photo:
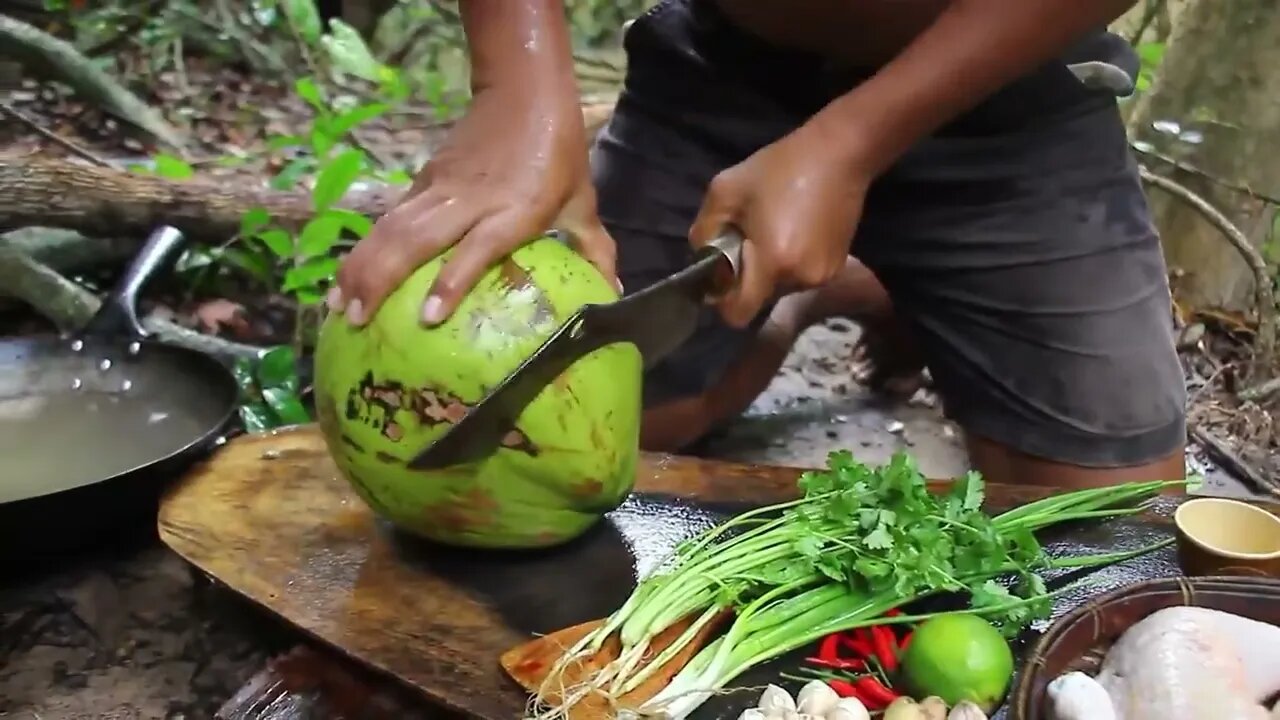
[(972, 50), (522, 45)]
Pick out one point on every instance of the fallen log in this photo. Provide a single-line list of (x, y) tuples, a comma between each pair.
[(102, 202), (111, 203)]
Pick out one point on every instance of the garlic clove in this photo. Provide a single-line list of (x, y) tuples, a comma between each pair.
[(752, 714), (849, 709), (904, 708), (816, 698), (966, 710), (775, 701), (933, 708)]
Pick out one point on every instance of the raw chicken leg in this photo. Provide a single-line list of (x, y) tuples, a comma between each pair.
[(1188, 663)]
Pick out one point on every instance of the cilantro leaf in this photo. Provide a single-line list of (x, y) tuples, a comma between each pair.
[(879, 539)]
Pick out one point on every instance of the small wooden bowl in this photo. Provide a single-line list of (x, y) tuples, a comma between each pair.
[(1217, 536), (1080, 639)]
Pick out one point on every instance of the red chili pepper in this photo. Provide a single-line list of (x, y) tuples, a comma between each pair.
[(839, 663), (885, 647), (893, 613), (843, 688), (872, 692), (859, 642), (906, 640), (829, 650)]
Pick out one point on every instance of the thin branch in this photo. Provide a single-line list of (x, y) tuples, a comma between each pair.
[(1231, 462), (70, 306), (1150, 11), (1264, 298), (1193, 170), (600, 63), (54, 137)]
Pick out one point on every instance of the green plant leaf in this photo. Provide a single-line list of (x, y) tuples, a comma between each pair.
[(336, 178), (358, 224), (304, 18), (349, 52), (322, 138), (242, 370), (248, 260), (278, 369), (291, 173), (319, 235), (308, 296), (310, 273), (392, 84), (309, 91), (280, 142), (257, 417), (254, 220), (1150, 53), (288, 408), (277, 241), (1271, 245), (356, 116), (195, 258), (174, 168)]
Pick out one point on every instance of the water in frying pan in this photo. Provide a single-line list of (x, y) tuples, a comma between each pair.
[(58, 441)]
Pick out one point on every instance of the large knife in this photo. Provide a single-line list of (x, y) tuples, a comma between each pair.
[(656, 320)]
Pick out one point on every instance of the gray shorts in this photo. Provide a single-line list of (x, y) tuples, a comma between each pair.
[(1016, 241)]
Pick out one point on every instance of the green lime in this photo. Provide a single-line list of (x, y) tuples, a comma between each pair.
[(958, 657)]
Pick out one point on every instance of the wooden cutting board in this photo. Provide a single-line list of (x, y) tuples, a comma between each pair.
[(269, 517)]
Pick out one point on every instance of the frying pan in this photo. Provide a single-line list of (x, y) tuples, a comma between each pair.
[(92, 426)]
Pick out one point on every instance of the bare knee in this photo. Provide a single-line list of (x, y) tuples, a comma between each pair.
[(1002, 464)]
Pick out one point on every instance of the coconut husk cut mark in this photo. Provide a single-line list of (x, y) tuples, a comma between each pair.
[(531, 665)]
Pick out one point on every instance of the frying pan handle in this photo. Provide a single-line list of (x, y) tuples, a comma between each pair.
[(118, 315)]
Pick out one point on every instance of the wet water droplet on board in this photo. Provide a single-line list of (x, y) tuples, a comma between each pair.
[(126, 386), (135, 347), (76, 384), (104, 364), (77, 345)]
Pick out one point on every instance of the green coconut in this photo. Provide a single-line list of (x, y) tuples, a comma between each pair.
[(385, 391)]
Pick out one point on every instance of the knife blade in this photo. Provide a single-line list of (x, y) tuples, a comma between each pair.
[(656, 320)]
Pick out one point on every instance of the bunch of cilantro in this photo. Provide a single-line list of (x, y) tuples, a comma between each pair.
[(880, 530)]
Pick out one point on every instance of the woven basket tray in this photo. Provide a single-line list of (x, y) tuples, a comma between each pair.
[(1079, 640)]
